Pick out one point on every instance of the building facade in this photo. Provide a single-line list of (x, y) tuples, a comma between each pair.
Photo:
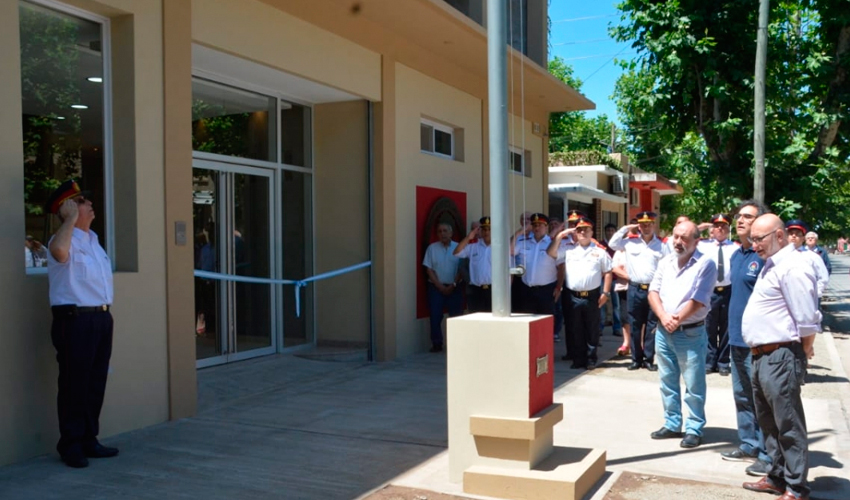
[(273, 139)]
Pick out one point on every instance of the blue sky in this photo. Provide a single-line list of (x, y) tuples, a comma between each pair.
[(580, 36)]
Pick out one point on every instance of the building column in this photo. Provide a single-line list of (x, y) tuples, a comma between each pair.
[(177, 135), (383, 261)]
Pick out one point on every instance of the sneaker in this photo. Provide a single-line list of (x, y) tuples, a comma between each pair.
[(737, 455), (759, 469)]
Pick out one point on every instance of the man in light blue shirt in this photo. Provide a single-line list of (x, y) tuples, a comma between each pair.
[(680, 296), (443, 283)]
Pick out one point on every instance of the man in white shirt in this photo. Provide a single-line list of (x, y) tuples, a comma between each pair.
[(796, 231), (480, 265), (541, 283), (587, 268), (779, 325), (443, 282), (680, 296), (642, 257), (719, 249), (80, 275)]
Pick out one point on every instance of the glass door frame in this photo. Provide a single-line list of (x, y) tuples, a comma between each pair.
[(226, 205)]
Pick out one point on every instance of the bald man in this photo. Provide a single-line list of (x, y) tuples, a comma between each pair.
[(779, 324)]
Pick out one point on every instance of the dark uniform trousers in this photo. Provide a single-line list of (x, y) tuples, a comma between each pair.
[(640, 315), (480, 298), (83, 342), (717, 325), (777, 378), (537, 299), (584, 327)]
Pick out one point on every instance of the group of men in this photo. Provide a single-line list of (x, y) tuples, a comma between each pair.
[(696, 306)]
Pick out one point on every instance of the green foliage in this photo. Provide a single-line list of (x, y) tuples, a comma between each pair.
[(584, 157), (687, 103)]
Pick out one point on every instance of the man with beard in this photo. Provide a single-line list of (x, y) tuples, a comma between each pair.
[(779, 325), (442, 265), (680, 296), (642, 257)]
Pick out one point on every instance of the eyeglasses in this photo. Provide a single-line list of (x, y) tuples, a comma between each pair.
[(745, 216), (758, 239)]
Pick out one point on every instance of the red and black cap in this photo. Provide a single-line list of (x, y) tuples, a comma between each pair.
[(584, 222), (539, 218), (484, 221), (646, 217), (720, 219), (797, 224), (575, 215), (67, 190)]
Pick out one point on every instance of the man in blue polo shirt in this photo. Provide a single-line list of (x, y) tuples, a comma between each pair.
[(744, 270)]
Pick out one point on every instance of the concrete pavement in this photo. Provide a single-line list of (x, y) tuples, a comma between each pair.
[(284, 427)]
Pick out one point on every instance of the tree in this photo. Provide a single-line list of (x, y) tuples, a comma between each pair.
[(693, 79)]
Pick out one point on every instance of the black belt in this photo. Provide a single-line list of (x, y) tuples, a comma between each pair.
[(642, 286), (688, 326), (73, 310), (583, 294), (541, 286), (483, 287), (719, 289)]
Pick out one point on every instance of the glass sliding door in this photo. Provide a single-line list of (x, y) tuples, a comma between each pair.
[(233, 225)]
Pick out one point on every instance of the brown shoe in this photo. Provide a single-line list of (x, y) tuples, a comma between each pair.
[(790, 496), (764, 485)]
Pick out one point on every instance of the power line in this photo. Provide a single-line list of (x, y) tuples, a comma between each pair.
[(587, 18), (605, 64), (582, 42), (612, 56)]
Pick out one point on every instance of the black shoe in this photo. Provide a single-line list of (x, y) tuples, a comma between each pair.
[(690, 441), (650, 366), (75, 459), (436, 348), (566, 357), (100, 451), (736, 455), (758, 469), (591, 365), (709, 370), (634, 366), (665, 433), (725, 372), (576, 366)]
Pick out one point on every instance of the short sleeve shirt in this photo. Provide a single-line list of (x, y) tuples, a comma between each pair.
[(480, 267), (584, 266), (442, 261), (85, 279)]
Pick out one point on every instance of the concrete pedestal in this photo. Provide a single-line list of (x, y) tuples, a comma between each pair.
[(501, 412)]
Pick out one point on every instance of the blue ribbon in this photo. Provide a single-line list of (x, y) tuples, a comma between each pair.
[(299, 284)]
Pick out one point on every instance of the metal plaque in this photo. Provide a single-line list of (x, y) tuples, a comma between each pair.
[(543, 365)]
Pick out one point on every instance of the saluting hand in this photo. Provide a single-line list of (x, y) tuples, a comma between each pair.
[(567, 232), (69, 210), (633, 226), (473, 234)]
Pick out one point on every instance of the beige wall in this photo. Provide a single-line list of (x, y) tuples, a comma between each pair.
[(526, 193), (341, 143), (137, 392), (256, 31), (418, 95)]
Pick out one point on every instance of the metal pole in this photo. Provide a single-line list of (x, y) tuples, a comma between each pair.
[(497, 96), (758, 132)]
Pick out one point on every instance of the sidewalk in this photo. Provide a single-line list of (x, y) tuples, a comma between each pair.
[(283, 427)]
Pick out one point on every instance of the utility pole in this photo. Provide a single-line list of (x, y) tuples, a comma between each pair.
[(761, 65), (497, 98)]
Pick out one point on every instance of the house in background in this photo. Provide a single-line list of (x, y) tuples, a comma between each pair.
[(646, 190)]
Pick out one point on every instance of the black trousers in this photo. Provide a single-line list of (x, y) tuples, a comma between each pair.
[(717, 326), (640, 315), (83, 345), (480, 299), (777, 378), (584, 327), (537, 299)]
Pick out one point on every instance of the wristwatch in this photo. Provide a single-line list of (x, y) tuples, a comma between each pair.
[(607, 294)]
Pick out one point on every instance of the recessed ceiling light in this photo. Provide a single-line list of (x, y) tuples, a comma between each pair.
[(95, 79), (79, 106)]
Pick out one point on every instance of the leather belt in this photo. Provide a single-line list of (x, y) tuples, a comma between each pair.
[(483, 287), (72, 310), (582, 294), (769, 348), (642, 286), (719, 289), (688, 326)]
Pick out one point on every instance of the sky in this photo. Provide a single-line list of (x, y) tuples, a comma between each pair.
[(580, 36)]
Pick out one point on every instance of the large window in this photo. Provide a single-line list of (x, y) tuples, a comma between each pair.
[(520, 161), (64, 78)]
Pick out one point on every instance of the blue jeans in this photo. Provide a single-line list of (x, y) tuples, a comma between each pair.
[(616, 323), (749, 432), (682, 353), (437, 302)]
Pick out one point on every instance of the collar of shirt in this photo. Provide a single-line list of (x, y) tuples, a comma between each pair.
[(778, 257)]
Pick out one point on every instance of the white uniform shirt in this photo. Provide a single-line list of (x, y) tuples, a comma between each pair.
[(85, 279), (540, 268), (620, 284), (677, 286), (819, 268), (440, 259), (641, 258), (709, 249), (783, 306), (584, 266), (480, 267)]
